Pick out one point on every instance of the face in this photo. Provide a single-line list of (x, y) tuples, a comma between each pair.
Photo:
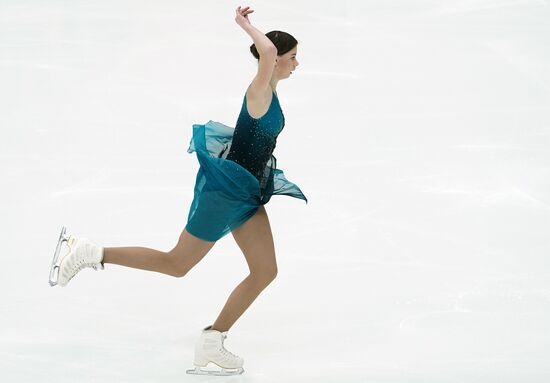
[(287, 63)]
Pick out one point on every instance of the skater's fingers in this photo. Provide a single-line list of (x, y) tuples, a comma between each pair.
[(244, 10)]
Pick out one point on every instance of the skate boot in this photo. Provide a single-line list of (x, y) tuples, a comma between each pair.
[(209, 349), (82, 253)]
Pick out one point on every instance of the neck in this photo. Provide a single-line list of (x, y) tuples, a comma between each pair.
[(273, 83)]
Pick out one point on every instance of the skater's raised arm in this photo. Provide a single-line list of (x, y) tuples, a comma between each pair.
[(262, 43), (266, 54)]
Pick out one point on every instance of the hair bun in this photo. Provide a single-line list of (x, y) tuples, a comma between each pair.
[(254, 51), (283, 41)]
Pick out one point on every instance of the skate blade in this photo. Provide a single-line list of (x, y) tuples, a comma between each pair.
[(218, 371), (54, 270)]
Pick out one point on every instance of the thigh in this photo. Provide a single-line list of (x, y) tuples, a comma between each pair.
[(190, 250), (255, 239), (210, 214)]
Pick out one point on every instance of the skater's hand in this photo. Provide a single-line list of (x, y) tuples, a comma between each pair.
[(242, 16)]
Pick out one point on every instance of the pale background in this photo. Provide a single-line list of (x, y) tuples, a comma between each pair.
[(418, 130)]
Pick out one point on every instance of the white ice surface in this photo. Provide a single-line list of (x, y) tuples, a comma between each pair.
[(419, 131)]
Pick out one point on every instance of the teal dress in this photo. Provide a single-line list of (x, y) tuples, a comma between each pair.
[(237, 173)]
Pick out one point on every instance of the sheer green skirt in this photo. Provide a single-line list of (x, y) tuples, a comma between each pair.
[(226, 194)]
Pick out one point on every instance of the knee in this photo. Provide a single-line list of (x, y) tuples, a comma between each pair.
[(178, 272), (264, 276), (178, 268)]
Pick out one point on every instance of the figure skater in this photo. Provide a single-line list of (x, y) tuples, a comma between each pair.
[(236, 177)]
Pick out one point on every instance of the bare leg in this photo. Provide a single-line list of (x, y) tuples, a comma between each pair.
[(177, 262), (140, 258), (256, 242), (239, 300)]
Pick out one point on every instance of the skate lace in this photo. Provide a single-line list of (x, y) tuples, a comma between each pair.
[(226, 352), (82, 265)]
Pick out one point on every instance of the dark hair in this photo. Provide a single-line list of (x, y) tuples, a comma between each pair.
[(284, 42)]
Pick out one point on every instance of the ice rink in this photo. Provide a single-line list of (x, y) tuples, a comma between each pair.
[(419, 130)]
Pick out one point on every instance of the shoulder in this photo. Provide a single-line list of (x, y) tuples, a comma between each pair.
[(258, 103), (258, 95)]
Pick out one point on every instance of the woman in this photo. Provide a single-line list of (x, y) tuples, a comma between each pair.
[(236, 177)]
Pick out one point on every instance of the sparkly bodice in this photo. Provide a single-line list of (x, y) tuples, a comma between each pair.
[(255, 139)]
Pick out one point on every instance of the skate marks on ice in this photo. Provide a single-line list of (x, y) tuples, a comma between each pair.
[(461, 7)]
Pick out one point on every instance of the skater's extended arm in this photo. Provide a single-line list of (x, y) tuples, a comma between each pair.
[(262, 42)]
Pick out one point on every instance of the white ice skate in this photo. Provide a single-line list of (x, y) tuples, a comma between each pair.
[(82, 253), (209, 349)]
